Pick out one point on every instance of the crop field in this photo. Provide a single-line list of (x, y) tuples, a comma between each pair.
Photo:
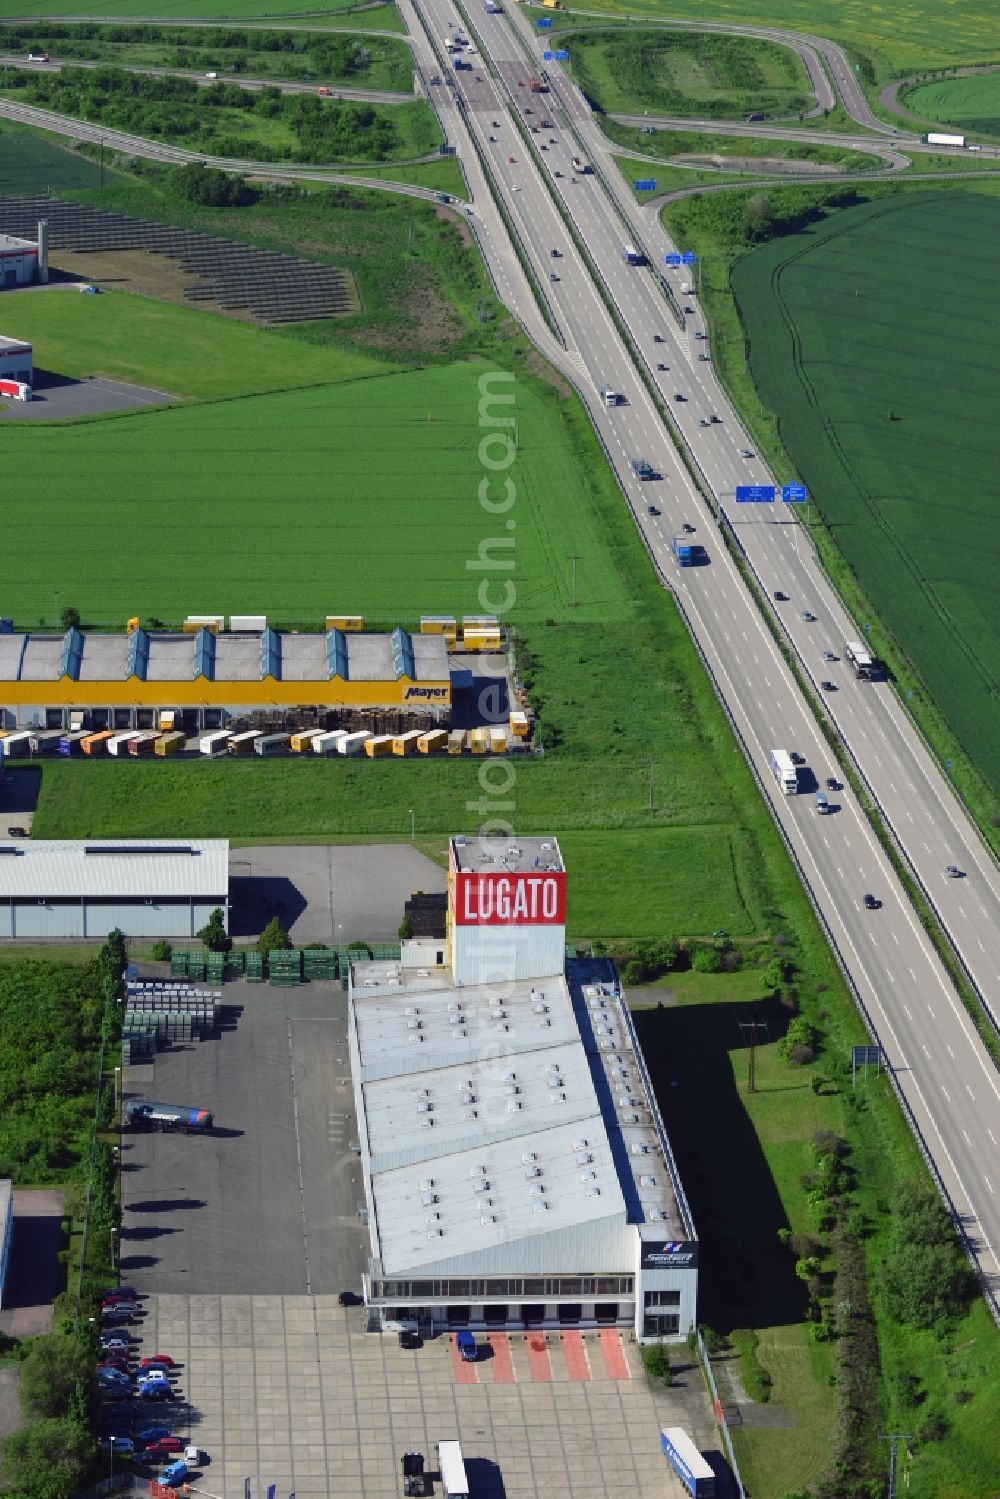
[(30, 164), (687, 72), (887, 408), (972, 104), (897, 39), (331, 12), (314, 469), (181, 350)]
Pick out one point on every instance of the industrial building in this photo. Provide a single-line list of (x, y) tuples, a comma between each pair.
[(145, 888), (517, 1173), (18, 261), (16, 360), (137, 678), (6, 1230)]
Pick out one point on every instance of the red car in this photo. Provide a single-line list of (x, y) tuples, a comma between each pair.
[(114, 1363), (166, 1444), (157, 1358), (114, 1297)]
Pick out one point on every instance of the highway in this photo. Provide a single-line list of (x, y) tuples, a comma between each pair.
[(941, 1067), (942, 1071)]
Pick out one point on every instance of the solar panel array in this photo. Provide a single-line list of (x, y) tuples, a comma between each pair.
[(272, 287)]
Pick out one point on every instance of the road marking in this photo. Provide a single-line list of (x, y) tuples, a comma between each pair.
[(947, 1095), (931, 1012), (949, 1051)]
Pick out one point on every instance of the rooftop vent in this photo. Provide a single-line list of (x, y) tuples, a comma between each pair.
[(528, 1155), (584, 1158), (434, 1233), (647, 1181), (542, 1023), (541, 1206), (472, 1113), (533, 1171), (579, 1144), (588, 1176), (593, 1191), (557, 1098), (478, 1171), (428, 1199), (427, 1184), (537, 1190), (513, 1105), (458, 1033)]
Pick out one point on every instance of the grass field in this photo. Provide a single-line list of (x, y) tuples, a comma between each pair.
[(971, 104), (897, 40), (668, 145), (887, 409), (332, 12), (683, 72), (181, 350), (30, 164), (309, 466)]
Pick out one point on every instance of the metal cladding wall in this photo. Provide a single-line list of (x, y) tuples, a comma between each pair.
[(248, 696), (495, 954), (44, 919)]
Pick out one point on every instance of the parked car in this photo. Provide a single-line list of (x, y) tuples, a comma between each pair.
[(131, 1293), (152, 1433), (151, 1376), (408, 1338), (119, 1362), (350, 1298), (193, 1456), (155, 1389), (174, 1475), (123, 1445), (114, 1342), (165, 1445), (157, 1358)]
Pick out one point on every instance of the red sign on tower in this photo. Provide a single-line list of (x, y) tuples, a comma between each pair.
[(531, 898)]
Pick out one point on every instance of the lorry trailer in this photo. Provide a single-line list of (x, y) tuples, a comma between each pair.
[(609, 395), (632, 256), (141, 1114), (936, 138), (687, 1462), (858, 656), (687, 553), (785, 773), (582, 166)]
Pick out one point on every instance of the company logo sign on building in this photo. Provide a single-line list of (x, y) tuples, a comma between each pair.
[(527, 899)]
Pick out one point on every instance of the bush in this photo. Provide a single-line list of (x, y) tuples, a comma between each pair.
[(706, 960), (215, 936), (656, 1361), (799, 1034), (274, 936), (800, 1056), (54, 1366), (162, 952), (924, 1279)]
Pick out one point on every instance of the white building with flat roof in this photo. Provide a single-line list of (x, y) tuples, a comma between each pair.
[(516, 1169)]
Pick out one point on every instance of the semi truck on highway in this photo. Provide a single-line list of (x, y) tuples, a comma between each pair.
[(785, 773), (632, 256), (687, 553), (936, 138), (581, 166), (610, 396), (687, 1462), (167, 1116), (857, 655)]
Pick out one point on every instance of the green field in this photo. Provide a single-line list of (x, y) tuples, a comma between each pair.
[(895, 40), (971, 104), (668, 145), (330, 13), (180, 350), (687, 72), (31, 164), (887, 408)]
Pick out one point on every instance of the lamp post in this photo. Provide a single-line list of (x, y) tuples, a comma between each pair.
[(118, 1085), (111, 1457), (114, 1247), (413, 825)]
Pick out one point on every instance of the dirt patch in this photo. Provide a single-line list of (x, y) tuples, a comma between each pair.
[(716, 163), (540, 367), (464, 232), (140, 271)]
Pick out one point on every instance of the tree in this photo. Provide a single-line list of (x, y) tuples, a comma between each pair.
[(215, 936), (48, 1460), (54, 1366), (758, 216), (406, 928), (69, 618), (273, 936)]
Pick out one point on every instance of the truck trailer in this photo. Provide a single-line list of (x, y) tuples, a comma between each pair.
[(141, 1114), (860, 659), (632, 256), (785, 773), (609, 395), (936, 138), (687, 1462), (582, 166)]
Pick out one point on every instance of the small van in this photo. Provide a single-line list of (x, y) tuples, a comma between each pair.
[(822, 805), (466, 1345)]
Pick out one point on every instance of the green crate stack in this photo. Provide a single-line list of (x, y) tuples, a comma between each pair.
[(386, 952), (255, 968), (284, 967), (319, 963), (236, 960), (179, 964), (215, 963), (196, 968)]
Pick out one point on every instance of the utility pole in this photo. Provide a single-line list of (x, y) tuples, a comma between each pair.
[(753, 1026), (652, 767), (894, 1438), (574, 559)]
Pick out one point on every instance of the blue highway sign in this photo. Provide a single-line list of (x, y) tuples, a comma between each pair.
[(645, 185), (545, 25), (755, 494), (688, 258), (794, 493), (548, 56), (562, 57), (671, 259)]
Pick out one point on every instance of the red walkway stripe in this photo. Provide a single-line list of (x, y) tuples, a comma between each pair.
[(538, 1358), (464, 1373), (576, 1356), (502, 1363), (614, 1355)]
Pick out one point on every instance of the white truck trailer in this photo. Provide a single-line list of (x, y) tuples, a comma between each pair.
[(785, 773)]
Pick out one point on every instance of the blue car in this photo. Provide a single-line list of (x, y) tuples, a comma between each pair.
[(152, 1433), (466, 1345), (174, 1474)]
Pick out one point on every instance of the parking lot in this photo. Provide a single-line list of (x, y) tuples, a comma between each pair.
[(240, 1241)]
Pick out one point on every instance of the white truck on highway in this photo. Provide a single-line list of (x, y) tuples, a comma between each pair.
[(610, 396), (785, 773), (936, 138)]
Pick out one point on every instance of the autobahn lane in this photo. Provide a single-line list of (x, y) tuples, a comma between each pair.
[(939, 1063), (208, 80)]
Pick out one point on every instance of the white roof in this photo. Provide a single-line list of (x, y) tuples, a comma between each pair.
[(129, 868)]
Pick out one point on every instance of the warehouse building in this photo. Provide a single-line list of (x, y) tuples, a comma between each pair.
[(18, 261), (145, 888), (6, 1231), (16, 360), (517, 1172), (133, 678)]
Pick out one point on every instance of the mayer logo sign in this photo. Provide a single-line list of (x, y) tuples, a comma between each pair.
[(526, 899), (425, 692)]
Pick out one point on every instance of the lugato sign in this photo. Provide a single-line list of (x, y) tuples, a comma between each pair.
[(528, 899)]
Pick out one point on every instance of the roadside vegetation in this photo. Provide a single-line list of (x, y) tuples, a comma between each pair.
[(295, 56), (970, 105), (226, 119), (687, 73), (723, 229), (58, 1029), (335, 13), (695, 149), (30, 163)]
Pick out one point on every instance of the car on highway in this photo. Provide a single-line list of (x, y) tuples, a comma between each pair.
[(715, 420), (698, 332), (657, 338), (808, 616), (871, 904), (495, 124), (493, 140), (745, 453), (703, 421), (828, 686), (830, 656), (679, 395), (554, 254), (779, 597), (687, 528), (652, 510), (553, 276), (832, 784), (662, 366), (691, 311), (558, 174), (953, 872), (703, 358), (511, 160), (516, 188), (642, 468)]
